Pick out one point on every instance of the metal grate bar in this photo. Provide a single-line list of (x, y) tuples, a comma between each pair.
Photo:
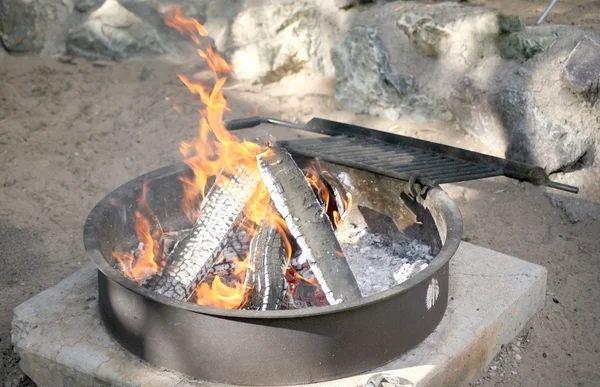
[(391, 159), (400, 156), (436, 169)]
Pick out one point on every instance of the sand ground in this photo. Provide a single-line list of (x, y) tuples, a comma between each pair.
[(70, 132)]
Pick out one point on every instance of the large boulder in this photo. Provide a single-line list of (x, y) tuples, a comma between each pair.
[(271, 41), (345, 4), (493, 102), (87, 5), (582, 69), (23, 25), (114, 32), (367, 84), (526, 43), (460, 35), (35, 26), (536, 139)]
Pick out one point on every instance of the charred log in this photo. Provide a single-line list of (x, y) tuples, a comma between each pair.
[(169, 240), (293, 197), (238, 245), (193, 257), (266, 270)]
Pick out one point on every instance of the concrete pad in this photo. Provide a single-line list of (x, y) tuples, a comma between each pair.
[(62, 342)]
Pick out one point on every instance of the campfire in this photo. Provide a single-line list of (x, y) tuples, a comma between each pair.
[(330, 253), (264, 233)]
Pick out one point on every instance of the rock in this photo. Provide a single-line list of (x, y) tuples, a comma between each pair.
[(585, 205), (462, 34), (527, 43), (87, 5), (22, 25), (510, 24), (582, 70), (382, 380), (112, 31), (493, 103), (149, 10), (472, 102), (345, 4), (367, 84), (271, 41), (534, 139)]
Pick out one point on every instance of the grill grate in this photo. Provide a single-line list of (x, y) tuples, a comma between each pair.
[(392, 160), (401, 157)]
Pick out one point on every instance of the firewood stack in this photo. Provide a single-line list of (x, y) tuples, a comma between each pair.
[(220, 238)]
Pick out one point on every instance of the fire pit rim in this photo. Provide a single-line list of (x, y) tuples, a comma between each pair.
[(91, 242)]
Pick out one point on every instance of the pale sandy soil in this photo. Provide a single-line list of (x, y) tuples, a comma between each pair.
[(72, 132)]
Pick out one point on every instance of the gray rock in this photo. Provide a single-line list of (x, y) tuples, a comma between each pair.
[(271, 41), (114, 32), (87, 5), (527, 43), (451, 30), (22, 25), (510, 24), (472, 104), (582, 69), (502, 112), (345, 4), (367, 84), (535, 139), (575, 208), (379, 380)]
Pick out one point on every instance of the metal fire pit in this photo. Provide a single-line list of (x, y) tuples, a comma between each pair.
[(272, 347)]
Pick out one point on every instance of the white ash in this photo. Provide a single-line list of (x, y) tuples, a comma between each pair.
[(380, 262), (345, 179)]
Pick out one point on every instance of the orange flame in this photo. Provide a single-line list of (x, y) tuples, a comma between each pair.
[(214, 147), (182, 24), (147, 259), (313, 174), (313, 177), (213, 150), (221, 295)]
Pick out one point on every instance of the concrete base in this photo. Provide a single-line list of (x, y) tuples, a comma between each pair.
[(62, 342)]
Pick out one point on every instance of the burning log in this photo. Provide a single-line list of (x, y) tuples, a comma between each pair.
[(293, 197), (169, 240), (191, 260), (238, 245), (266, 270)]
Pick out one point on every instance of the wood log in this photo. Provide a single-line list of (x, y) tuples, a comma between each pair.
[(265, 275), (193, 257), (170, 239), (238, 245), (293, 197)]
